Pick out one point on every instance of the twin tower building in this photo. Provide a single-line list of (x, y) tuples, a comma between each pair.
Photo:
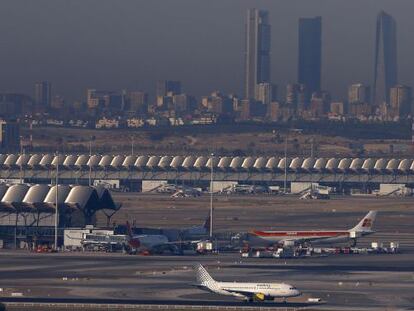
[(258, 45)]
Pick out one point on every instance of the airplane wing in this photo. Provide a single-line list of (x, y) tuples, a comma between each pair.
[(176, 243), (235, 293), (240, 293), (308, 239), (73, 238)]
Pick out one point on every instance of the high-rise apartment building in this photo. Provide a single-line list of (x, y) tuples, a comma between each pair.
[(292, 92), (93, 101), (385, 72), (400, 101), (297, 96), (266, 93), (359, 93), (310, 53), (43, 94), (218, 103), (166, 88), (106, 101), (137, 102), (183, 103), (257, 63)]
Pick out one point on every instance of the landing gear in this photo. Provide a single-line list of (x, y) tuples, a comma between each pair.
[(354, 243)]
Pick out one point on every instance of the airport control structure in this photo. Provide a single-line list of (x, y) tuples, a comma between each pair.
[(133, 170)]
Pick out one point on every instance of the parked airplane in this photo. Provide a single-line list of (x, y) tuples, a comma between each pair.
[(269, 238), (171, 240), (247, 291), (196, 231), (173, 234), (149, 243)]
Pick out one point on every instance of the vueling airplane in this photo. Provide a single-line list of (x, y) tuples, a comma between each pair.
[(315, 237), (247, 291)]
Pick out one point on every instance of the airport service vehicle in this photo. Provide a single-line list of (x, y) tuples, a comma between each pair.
[(105, 242), (247, 291), (330, 237)]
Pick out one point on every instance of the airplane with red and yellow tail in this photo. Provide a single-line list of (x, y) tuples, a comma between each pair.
[(314, 237)]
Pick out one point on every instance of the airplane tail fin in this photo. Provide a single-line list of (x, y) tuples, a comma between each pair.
[(366, 224), (203, 277)]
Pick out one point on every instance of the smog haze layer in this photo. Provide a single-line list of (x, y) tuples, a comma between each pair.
[(111, 45)]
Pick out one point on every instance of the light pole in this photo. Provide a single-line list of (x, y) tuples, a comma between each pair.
[(312, 141), (132, 145), (21, 160), (57, 201), (285, 181), (90, 155), (211, 195)]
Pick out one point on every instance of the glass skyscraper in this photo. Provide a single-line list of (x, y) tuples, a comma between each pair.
[(257, 50), (385, 74), (310, 53)]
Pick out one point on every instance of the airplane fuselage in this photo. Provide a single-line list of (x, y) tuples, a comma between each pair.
[(266, 238), (147, 242), (269, 290)]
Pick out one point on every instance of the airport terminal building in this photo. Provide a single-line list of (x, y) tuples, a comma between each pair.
[(130, 171)]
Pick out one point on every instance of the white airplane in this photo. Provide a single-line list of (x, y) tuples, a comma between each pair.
[(160, 243), (187, 233), (247, 291), (331, 237), (147, 243)]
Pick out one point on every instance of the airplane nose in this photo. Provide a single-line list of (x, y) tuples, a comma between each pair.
[(296, 293)]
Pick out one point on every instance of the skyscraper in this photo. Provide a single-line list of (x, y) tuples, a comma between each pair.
[(385, 72), (43, 94), (310, 53), (257, 51)]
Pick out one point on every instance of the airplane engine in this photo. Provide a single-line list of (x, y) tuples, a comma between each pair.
[(287, 243), (259, 297)]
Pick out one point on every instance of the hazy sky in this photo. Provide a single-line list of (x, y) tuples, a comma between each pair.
[(116, 44)]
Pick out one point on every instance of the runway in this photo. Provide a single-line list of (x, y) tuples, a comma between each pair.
[(142, 304), (343, 282), (348, 282)]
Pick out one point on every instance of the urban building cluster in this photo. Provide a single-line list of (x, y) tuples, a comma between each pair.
[(385, 100)]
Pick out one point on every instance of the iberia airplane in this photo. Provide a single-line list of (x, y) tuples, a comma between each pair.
[(330, 237)]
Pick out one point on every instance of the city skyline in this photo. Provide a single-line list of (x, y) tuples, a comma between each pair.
[(198, 73)]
